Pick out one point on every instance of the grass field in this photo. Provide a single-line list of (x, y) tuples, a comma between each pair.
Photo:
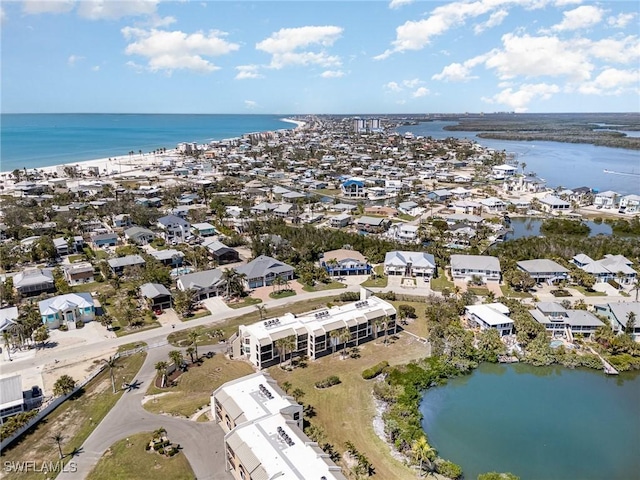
[(195, 386), (380, 281), (282, 294), (324, 286), (128, 459), (245, 302), (346, 411), (509, 292), (440, 283), (75, 419), (589, 293)]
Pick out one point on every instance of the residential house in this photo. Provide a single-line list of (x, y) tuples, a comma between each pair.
[(263, 208), (175, 229), (169, 257), (630, 204), (14, 400), (78, 273), (343, 207), (263, 270), (67, 310), (353, 188), (204, 229), (410, 208), (34, 282), (343, 262), (611, 267), (503, 171), (410, 264), (312, 331), (607, 199), (562, 322), (471, 267), (205, 284), (221, 253), (61, 245), (543, 270), (493, 205), (404, 232), (461, 234), (371, 224), (121, 220), (156, 295), (523, 184), (440, 195), (619, 315), (551, 203), (100, 240), (119, 264), (284, 210), (139, 235), (340, 221), (490, 315), (467, 207)]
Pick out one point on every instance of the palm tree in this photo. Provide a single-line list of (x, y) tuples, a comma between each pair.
[(631, 322), (111, 363), (176, 357), (190, 352), (64, 385), (284, 345), (636, 287), (6, 339), (620, 275), (58, 438), (421, 451), (193, 337), (344, 337), (335, 336), (161, 368), (277, 282), (229, 275), (262, 311)]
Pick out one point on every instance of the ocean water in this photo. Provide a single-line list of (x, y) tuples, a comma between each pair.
[(39, 140)]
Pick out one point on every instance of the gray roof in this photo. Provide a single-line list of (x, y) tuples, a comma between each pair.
[(135, 232), (408, 205), (582, 318), (169, 220), (103, 236), (10, 391), (217, 247), (7, 317), (417, 259), (32, 277), (167, 254), (475, 262), (375, 221), (541, 265), (154, 290), (262, 265), (621, 310), (199, 280), (126, 261)]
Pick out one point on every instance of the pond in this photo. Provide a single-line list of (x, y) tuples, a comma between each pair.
[(530, 227)]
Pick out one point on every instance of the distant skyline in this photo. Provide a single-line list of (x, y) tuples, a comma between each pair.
[(323, 57)]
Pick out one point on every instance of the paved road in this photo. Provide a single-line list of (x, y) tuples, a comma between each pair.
[(202, 442)]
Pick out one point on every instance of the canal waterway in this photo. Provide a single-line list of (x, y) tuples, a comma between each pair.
[(530, 227), (568, 165), (548, 423)]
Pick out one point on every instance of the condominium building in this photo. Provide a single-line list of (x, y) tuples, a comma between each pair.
[(312, 332)]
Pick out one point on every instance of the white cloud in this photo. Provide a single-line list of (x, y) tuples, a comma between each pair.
[(620, 50), (248, 71), (3, 15), (332, 74), (582, 17), (612, 81), (393, 86), (113, 10), (420, 92), (563, 3), (519, 100), (455, 72), (495, 19), (621, 20), (156, 21), (73, 59), (399, 3), (95, 68), (284, 46), (250, 104), (177, 50), (36, 7), (414, 82)]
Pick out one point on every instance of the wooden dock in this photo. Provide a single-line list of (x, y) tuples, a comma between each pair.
[(608, 368)]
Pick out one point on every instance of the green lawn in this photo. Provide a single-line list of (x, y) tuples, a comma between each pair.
[(282, 294), (440, 283), (405, 216), (480, 291), (75, 258), (203, 312), (245, 302), (75, 419), (195, 386), (128, 459), (324, 286), (380, 281), (507, 291)]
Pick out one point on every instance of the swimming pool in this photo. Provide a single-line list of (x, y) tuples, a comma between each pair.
[(176, 272), (556, 343)]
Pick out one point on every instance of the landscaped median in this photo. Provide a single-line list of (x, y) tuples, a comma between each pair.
[(73, 420)]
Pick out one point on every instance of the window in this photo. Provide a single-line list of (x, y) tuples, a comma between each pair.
[(296, 416)]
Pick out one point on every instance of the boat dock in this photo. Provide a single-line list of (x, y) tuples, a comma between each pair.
[(608, 368)]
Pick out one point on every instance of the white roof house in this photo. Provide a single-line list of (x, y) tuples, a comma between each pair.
[(419, 264), (468, 266), (70, 308), (491, 315)]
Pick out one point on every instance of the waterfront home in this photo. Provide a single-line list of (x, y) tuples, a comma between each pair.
[(409, 208), (169, 257), (490, 315), (630, 204), (607, 199), (503, 171), (619, 315), (467, 207), (139, 235), (203, 229), (410, 264), (312, 331), (175, 229), (344, 262), (100, 240), (221, 253), (78, 273), (340, 221), (543, 270), (551, 203), (156, 295), (263, 270), (523, 184), (471, 267), (461, 235), (34, 282), (493, 205), (67, 310), (343, 207), (611, 267), (559, 321), (403, 232), (474, 220), (118, 265), (371, 224), (353, 188), (205, 284)]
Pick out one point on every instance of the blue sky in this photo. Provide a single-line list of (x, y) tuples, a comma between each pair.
[(398, 56)]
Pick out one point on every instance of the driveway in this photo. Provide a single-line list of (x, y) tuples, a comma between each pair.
[(202, 442), (216, 305)]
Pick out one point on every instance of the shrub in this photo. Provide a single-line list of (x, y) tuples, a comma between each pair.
[(147, 447), (63, 328), (374, 371), (161, 451), (328, 382), (407, 311), (391, 296), (349, 297), (448, 469)]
